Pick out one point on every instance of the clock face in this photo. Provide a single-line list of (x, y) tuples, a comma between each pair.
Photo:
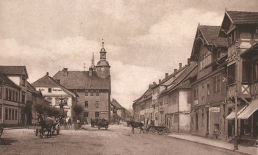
[(102, 69), (103, 54)]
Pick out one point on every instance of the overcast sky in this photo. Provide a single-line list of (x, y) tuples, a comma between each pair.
[(144, 39)]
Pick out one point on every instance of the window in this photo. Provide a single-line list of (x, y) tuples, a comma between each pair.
[(16, 114), (196, 93), (57, 101), (6, 93), (202, 117), (23, 80), (86, 114), (231, 74), (0, 92), (96, 114), (232, 37), (23, 97), (205, 60), (91, 93), (0, 111), (86, 92), (17, 97), (10, 95), (65, 101), (208, 89), (13, 97), (256, 70), (49, 90), (246, 72), (6, 113), (86, 104), (175, 118), (10, 113), (216, 84), (97, 92), (97, 104)]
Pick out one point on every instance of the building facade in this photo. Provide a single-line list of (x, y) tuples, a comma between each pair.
[(93, 87)]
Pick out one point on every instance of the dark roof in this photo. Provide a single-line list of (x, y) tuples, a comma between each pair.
[(179, 82), (210, 34), (103, 63), (82, 80), (116, 104), (241, 17), (7, 81), (13, 70), (47, 81)]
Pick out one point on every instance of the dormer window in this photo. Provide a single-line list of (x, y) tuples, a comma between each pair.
[(49, 90)]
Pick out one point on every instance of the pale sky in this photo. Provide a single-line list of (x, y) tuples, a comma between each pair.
[(144, 39)]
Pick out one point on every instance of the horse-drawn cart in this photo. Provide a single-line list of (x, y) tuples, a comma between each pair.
[(159, 129)]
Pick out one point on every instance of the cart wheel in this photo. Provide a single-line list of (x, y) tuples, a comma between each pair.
[(146, 131), (152, 130), (160, 132), (37, 132)]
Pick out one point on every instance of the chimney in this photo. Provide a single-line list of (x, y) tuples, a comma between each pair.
[(159, 80), (166, 75), (180, 65), (188, 61), (150, 85), (47, 73), (175, 70)]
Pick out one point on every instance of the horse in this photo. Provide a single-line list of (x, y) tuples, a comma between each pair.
[(135, 125), (46, 123)]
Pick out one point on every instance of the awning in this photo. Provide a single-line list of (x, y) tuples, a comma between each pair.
[(248, 111), (239, 111)]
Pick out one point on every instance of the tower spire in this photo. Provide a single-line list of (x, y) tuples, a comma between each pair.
[(102, 43)]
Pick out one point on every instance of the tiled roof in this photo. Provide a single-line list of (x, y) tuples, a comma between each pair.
[(82, 80), (8, 81), (179, 82), (32, 89), (210, 33), (240, 17), (47, 81), (13, 70), (116, 104)]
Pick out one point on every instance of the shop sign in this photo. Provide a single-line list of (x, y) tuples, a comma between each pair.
[(103, 112), (214, 109), (56, 89)]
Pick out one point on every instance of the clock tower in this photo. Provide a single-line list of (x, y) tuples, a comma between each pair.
[(103, 68)]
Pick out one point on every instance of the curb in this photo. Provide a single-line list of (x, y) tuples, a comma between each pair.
[(217, 147)]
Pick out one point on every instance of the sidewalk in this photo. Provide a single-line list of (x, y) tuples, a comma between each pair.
[(215, 143)]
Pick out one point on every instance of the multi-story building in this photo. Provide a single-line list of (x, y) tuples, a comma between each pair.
[(93, 87), (241, 31), (175, 101), (14, 98), (208, 86), (56, 94)]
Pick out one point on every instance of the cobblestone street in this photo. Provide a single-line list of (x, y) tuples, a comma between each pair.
[(118, 139)]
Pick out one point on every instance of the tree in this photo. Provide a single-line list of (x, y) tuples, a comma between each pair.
[(78, 109), (39, 108)]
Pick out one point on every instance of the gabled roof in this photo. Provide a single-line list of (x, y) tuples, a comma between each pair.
[(13, 70), (209, 37), (47, 81), (7, 81), (242, 17), (179, 82), (116, 104), (31, 88), (82, 80)]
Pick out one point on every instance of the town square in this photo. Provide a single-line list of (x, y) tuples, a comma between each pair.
[(129, 77)]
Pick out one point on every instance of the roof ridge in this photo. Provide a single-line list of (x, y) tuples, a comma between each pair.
[(243, 11)]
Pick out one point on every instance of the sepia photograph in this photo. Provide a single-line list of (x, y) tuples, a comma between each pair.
[(129, 77)]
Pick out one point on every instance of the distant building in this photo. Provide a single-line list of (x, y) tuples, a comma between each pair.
[(93, 87), (117, 111), (56, 94)]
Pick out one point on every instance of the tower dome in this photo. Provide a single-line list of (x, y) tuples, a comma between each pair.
[(102, 67)]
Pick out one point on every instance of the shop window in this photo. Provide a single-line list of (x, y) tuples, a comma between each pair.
[(246, 72), (86, 104), (96, 114), (6, 113)]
